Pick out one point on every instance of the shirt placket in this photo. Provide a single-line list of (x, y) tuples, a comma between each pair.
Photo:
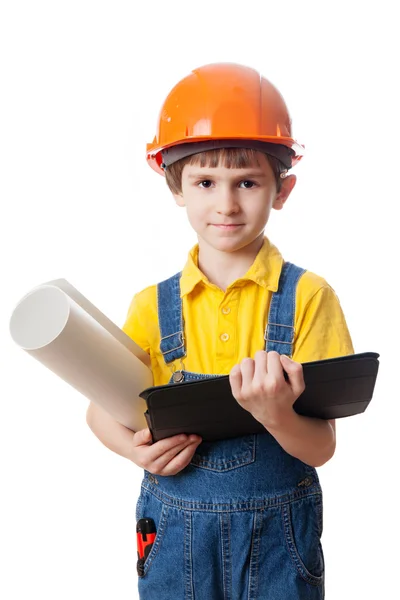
[(226, 333)]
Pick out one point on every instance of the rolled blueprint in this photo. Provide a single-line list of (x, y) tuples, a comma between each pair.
[(60, 328)]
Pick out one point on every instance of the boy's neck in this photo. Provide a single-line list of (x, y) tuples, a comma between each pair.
[(223, 268)]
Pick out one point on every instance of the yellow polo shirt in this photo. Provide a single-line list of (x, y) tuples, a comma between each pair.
[(222, 328)]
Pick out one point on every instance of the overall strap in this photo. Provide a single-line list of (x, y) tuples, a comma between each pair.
[(279, 333), (170, 319)]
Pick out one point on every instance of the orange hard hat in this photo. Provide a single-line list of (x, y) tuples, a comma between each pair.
[(223, 105)]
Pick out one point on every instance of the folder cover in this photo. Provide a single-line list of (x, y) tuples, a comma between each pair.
[(335, 388)]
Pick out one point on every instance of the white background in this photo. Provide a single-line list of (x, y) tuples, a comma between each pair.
[(82, 83)]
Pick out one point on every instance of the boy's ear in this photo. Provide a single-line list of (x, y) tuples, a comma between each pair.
[(288, 184), (179, 199)]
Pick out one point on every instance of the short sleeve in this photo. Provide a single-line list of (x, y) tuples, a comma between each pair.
[(134, 325), (321, 328)]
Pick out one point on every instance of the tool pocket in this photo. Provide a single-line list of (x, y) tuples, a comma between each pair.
[(149, 507)]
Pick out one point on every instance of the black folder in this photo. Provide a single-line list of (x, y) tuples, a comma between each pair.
[(335, 388)]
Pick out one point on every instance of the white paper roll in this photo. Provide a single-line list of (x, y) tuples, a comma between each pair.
[(60, 328)]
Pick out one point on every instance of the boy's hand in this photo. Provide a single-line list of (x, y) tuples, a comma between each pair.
[(259, 386), (166, 457)]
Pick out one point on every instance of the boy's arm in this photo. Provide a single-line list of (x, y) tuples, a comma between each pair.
[(312, 441), (111, 434), (260, 387), (322, 333)]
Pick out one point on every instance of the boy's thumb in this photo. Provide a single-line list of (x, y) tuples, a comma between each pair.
[(142, 437)]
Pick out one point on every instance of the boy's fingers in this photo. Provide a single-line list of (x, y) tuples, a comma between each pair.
[(235, 373), (295, 374), (172, 444), (180, 461), (275, 369), (247, 368), (261, 366), (162, 461), (235, 379)]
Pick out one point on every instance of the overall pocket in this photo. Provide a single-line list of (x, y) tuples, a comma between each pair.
[(149, 507), (225, 455), (302, 525)]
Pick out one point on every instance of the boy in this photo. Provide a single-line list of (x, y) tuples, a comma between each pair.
[(240, 518)]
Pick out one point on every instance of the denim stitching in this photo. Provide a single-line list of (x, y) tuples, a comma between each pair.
[(191, 376), (270, 325), (292, 549), (170, 317), (230, 556), (172, 350), (221, 541), (240, 506), (250, 592), (139, 506), (300, 274), (288, 281), (160, 534), (189, 592), (245, 458), (278, 341), (172, 334), (226, 555), (254, 556), (222, 467)]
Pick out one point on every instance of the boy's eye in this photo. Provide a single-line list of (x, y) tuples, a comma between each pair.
[(247, 184), (206, 183)]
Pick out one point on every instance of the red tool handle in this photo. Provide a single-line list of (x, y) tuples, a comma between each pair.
[(144, 543)]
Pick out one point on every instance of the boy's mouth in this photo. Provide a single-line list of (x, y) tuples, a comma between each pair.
[(227, 225)]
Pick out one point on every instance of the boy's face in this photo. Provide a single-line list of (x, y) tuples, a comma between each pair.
[(229, 208)]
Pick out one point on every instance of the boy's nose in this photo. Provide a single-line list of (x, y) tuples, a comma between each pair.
[(227, 202)]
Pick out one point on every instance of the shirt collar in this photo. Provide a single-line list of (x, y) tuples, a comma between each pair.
[(265, 270)]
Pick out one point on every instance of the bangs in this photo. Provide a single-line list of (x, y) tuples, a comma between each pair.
[(230, 158)]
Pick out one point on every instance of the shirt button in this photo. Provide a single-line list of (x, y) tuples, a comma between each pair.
[(226, 310), (224, 337)]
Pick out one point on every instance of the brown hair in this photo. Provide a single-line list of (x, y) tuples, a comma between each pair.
[(230, 158)]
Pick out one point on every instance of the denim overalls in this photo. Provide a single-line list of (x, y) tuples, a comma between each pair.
[(243, 520)]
